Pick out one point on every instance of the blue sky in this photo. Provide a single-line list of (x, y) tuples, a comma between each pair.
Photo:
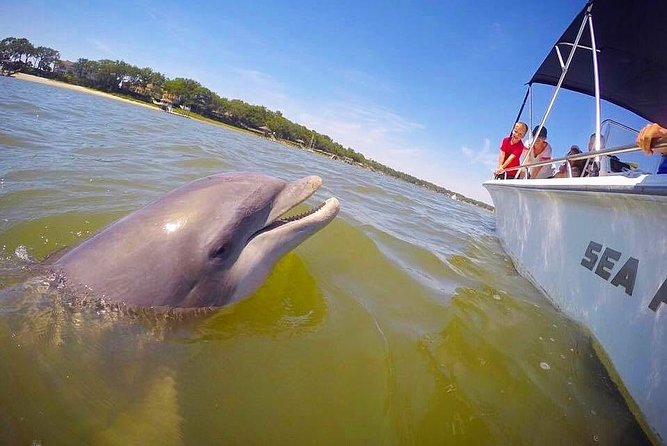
[(426, 87)]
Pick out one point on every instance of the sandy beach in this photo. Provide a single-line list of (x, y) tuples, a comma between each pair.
[(42, 80)]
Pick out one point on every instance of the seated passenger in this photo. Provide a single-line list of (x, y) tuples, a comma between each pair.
[(511, 149), (592, 168), (541, 152), (577, 166)]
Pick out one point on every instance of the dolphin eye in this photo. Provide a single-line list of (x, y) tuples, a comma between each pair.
[(221, 251)]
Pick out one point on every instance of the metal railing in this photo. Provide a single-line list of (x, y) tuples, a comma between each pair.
[(660, 143)]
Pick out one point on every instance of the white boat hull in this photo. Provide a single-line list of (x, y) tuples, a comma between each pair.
[(597, 247)]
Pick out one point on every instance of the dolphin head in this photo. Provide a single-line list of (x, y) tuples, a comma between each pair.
[(208, 243)]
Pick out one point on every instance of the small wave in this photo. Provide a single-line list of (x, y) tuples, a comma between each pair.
[(21, 252)]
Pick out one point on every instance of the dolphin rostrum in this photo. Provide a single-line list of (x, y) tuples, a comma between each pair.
[(206, 244)]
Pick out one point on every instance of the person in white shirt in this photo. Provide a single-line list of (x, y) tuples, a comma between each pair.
[(541, 152)]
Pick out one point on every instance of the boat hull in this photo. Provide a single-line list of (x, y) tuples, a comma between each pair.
[(597, 248)]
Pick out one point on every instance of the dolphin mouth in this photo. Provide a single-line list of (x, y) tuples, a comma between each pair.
[(283, 230), (295, 193), (324, 212)]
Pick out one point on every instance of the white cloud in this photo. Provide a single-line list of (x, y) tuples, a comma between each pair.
[(387, 137), (102, 47), (262, 88), (252, 86), (484, 156), (368, 128), (497, 37), (256, 77), (366, 81)]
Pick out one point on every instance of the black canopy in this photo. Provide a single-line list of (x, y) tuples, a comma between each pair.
[(631, 39)]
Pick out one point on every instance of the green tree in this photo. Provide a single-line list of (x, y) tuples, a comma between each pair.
[(150, 80), (23, 48), (185, 90), (46, 58), (86, 71), (15, 49)]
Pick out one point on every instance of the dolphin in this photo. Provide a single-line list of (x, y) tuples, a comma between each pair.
[(208, 243)]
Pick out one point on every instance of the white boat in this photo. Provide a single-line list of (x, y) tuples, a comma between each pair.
[(597, 246)]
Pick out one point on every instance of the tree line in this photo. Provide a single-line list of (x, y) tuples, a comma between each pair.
[(147, 85)]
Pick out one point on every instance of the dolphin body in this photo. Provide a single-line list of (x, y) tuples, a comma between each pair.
[(206, 244)]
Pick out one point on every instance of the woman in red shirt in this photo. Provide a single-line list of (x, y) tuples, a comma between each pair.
[(510, 151)]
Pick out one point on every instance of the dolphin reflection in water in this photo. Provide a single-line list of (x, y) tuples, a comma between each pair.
[(206, 244)]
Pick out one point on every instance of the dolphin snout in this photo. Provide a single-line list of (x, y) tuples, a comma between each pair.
[(294, 193)]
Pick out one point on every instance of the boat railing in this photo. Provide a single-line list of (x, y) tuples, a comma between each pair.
[(660, 143)]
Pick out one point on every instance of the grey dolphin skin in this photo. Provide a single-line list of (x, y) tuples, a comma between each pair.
[(205, 244)]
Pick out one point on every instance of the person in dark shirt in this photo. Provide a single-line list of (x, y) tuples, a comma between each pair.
[(577, 167)]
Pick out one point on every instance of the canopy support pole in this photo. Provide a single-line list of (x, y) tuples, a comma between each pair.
[(604, 168), (562, 78)]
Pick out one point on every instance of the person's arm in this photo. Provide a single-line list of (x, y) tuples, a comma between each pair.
[(502, 164), (647, 134), (501, 159)]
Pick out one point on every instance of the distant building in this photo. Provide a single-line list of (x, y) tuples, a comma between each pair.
[(165, 104), (63, 67), (266, 131), (143, 90)]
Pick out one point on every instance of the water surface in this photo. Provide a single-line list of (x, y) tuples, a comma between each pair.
[(403, 322)]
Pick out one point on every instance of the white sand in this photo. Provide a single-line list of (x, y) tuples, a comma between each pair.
[(42, 80)]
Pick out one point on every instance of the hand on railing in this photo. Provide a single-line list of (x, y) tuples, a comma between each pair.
[(651, 136)]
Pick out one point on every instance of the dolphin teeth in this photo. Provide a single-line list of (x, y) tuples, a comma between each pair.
[(285, 220), (302, 215)]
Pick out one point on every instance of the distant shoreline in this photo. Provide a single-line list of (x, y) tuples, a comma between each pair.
[(79, 88), (43, 80), (286, 143), (141, 86)]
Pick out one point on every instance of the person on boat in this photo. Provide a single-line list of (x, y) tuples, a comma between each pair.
[(577, 166), (541, 152), (511, 149), (644, 139), (592, 168)]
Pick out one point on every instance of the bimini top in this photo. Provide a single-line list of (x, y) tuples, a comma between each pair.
[(631, 40)]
